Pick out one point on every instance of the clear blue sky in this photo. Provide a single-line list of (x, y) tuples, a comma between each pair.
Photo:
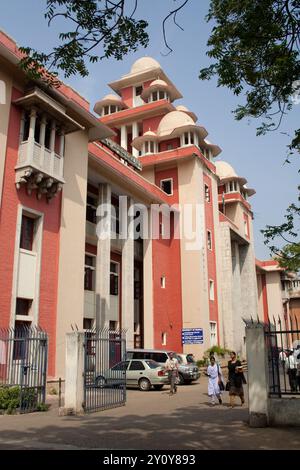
[(259, 159)]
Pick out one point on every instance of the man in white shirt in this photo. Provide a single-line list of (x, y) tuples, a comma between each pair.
[(291, 368), (172, 367)]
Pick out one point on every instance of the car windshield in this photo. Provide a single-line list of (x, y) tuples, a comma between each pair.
[(152, 364)]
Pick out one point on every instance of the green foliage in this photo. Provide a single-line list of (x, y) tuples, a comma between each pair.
[(42, 407), (218, 350), (100, 29), (288, 257), (9, 398), (255, 45), (201, 363)]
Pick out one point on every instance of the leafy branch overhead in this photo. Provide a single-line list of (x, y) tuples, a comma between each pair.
[(99, 29), (255, 45)]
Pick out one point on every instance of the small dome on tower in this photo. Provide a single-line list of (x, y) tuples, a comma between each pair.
[(144, 63)]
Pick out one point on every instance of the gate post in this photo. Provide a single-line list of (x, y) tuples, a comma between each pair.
[(74, 382), (258, 383)]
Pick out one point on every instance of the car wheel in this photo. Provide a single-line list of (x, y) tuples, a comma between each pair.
[(158, 387), (180, 380), (100, 381), (144, 385)]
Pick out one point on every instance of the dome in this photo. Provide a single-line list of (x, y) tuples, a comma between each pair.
[(173, 120), (106, 101), (149, 134), (184, 109), (224, 170), (159, 83), (144, 63), (226, 173), (111, 97)]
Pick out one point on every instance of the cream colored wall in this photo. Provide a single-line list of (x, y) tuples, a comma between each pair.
[(72, 243), (195, 309), (4, 119), (260, 297), (273, 283)]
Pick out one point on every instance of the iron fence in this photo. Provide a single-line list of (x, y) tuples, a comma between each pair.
[(104, 369), (23, 368), (283, 346)]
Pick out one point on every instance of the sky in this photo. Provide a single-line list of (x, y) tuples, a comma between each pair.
[(259, 159)]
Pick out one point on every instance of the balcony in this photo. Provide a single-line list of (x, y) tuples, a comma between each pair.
[(39, 168)]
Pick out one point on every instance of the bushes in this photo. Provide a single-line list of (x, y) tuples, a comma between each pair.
[(9, 398), (218, 350)]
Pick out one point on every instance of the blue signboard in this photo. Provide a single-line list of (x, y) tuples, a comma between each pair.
[(192, 335)]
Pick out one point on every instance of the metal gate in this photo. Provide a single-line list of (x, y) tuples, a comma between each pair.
[(23, 367), (104, 369), (283, 346)]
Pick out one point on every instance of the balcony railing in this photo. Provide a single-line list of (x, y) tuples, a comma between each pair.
[(39, 168)]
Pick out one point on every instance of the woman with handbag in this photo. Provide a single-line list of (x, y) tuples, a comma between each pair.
[(215, 383), (236, 379)]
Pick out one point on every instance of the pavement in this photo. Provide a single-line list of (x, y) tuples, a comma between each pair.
[(150, 420)]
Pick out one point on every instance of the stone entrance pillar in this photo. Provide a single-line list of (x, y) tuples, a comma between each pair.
[(128, 281)]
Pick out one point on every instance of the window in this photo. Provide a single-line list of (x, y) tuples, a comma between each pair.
[(91, 208), (138, 90), (167, 186), (213, 333), (121, 366), (154, 96), (114, 278), (106, 110), (170, 147), (211, 290), (209, 240), (23, 306), (136, 365), (137, 284), (112, 109), (87, 323), (21, 333), (89, 272), (27, 231), (163, 282), (246, 228), (164, 338), (149, 147), (186, 138), (206, 193), (113, 325), (162, 95)]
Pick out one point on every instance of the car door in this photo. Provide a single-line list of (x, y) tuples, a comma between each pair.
[(135, 371)]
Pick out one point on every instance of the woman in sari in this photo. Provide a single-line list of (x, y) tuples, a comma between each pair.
[(235, 379), (214, 378)]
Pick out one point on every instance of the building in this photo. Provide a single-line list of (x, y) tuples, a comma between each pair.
[(60, 162)]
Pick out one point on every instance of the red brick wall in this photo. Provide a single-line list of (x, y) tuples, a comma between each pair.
[(50, 242)]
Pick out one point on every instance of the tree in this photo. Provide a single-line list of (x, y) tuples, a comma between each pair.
[(255, 45)]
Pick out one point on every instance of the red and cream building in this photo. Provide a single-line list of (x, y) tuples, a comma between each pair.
[(59, 161)]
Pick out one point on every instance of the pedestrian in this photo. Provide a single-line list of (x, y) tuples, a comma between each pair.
[(190, 358), (172, 367), (291, 370), (298, 376), (214, 379), (282, 357), (236, 379)]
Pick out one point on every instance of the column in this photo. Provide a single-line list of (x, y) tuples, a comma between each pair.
[(52, 145), (124, 137), (128, 282), (135, 133), (42, 139), (258, 385), (148, 287), (74, 384), (22, 125), (33, 115), (61, 152), (102, 285)]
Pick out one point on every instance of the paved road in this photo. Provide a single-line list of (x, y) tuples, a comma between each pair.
[(150, 420)]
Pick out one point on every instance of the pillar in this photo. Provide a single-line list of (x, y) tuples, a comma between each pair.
[(128, 282), (258, 385), (102, 285), (52, 145), (124, 137), (148, 287), (74, 378), (33, 115), (135, 133)]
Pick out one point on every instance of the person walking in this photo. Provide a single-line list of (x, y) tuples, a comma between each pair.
[(236, 379), (291, 369), (214, 379), (172, 367)]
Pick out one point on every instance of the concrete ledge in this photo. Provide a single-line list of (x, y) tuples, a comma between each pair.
[(284, 411), (62, 411)]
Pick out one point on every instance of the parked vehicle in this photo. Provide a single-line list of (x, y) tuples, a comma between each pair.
[(187, 372), (143, 374)]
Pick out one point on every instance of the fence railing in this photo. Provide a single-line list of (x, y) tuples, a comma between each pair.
[(23, 367), (104, 370), (282, 338)]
